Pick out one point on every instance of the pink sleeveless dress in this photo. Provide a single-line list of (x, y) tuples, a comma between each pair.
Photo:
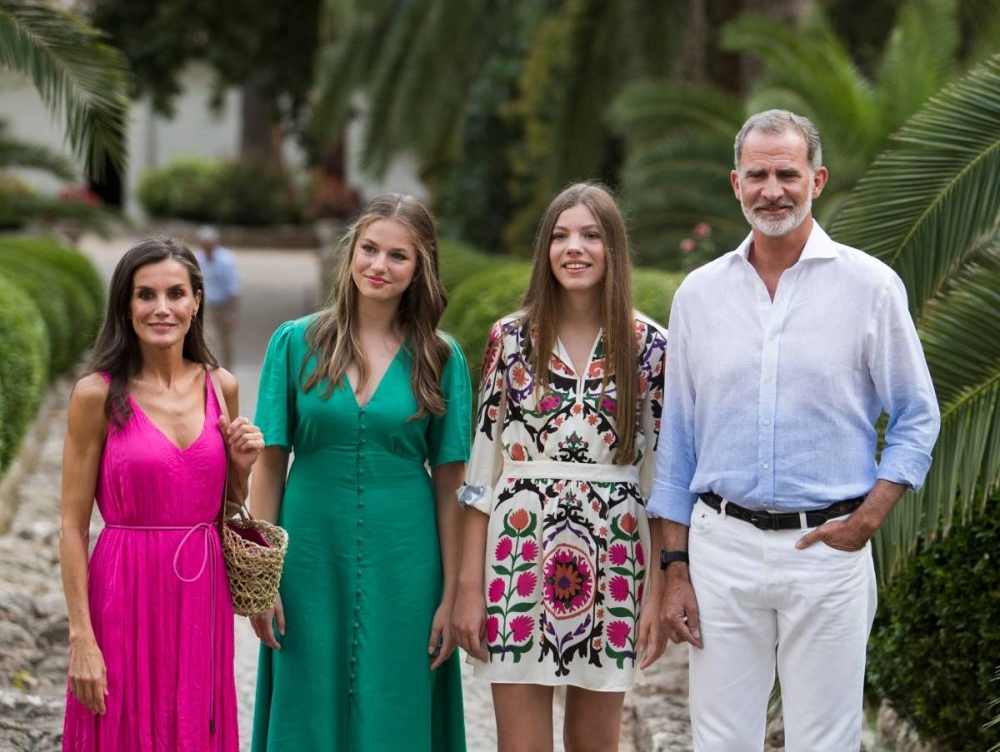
[(159, 597)]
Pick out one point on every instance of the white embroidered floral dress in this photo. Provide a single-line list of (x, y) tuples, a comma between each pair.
[(568, 543)]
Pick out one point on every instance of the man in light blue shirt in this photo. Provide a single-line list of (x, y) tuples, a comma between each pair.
[(782, 355), (222, 294)]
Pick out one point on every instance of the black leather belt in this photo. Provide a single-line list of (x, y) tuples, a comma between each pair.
[(765, 520)]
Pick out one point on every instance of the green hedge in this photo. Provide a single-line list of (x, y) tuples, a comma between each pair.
[(222, 192), (51, 303), (936, 643), (23, 367), (479, 301), (459, 261)]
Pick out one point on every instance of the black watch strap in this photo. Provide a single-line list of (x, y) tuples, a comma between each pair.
[(668, 557)]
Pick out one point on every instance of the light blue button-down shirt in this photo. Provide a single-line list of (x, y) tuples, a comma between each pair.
[(773, 404)]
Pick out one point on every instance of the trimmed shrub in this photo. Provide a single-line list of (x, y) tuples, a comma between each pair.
[(936, 643), (244, 192), (479, 301), (653, 291), (23, 367), (45, 287), (75, 263), (458, 261)]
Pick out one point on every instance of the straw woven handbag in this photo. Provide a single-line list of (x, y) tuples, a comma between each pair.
[(254, 549)]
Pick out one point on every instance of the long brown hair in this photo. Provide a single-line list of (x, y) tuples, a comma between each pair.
[(116, 351), (541, 305), (333, 337)]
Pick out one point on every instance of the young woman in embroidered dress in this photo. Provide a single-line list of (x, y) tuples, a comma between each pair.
[(150, 619), (562, 463), (357, 652)]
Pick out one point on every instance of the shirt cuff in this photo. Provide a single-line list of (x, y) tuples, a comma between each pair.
[(477, 497), (672, 503), (900, 464)]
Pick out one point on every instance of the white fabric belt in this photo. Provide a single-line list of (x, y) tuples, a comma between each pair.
[(571, 471)]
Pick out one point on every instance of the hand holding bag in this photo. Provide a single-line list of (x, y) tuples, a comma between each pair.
[(254, 549)]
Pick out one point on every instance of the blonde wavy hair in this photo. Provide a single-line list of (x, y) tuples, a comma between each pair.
[(541, 305), (333, 337)]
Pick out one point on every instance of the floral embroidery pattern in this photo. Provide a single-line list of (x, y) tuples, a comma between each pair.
[(510, 592), (566, 558), (627, 559), (569, 582)]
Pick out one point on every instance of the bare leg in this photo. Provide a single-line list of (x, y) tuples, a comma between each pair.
[(593, 720), (524, 717)]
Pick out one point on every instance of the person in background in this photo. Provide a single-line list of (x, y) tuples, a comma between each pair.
[(557, 586), (222, 293)]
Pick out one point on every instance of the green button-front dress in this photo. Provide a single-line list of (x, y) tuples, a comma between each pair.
[(362, 575)]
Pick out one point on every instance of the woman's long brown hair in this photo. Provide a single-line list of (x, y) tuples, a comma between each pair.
[(541, 305), (333, 337)]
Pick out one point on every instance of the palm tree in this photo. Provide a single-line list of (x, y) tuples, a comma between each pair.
[(681, 135), (77, 75), (930, 207)]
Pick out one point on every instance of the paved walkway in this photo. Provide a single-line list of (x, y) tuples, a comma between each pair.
[(278, 285)]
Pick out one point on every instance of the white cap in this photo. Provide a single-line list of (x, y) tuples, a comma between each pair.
[(208, 234)]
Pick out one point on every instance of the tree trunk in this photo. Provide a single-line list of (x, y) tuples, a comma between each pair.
[(693, 64), (734, 72), (260, 135)]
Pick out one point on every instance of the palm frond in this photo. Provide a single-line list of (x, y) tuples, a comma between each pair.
[(815, 66), (919, 58), (17, 153), (78, 76), (961, 338), (652, 109), (928, 202)]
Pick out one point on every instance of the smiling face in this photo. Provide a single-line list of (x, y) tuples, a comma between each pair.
[(775, 184), (163, 303), (576, 250), (384, 261)]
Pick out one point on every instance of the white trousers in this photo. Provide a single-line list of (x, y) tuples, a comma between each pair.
[(765, 604)]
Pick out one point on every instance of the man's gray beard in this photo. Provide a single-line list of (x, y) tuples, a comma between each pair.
[(778, 228)]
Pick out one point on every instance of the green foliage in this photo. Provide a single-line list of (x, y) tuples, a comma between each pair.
[(272, 43), (937, 639), (23, 366), (680, 136), (51, 301), (244, 192), (653, 292), (21, 205), (930, 206), (458, 261), (17, 153), (478, 302), (78, 76), (44, 286)]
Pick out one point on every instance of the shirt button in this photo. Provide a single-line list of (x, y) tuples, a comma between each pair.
[(767, 422), (768, 380), (766, 465)]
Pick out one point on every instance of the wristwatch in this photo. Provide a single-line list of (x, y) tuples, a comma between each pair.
[(667, 557)]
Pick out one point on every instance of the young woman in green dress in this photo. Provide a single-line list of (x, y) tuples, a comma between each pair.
[(357, 652)]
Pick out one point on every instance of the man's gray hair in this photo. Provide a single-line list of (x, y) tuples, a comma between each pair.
[(779, 121)]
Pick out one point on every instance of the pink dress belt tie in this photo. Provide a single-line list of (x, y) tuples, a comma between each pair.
[(207, 528)]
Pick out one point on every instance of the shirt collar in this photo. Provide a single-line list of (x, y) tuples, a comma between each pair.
[(819, 245)]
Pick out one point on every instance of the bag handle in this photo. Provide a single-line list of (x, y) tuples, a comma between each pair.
[(220, 398)]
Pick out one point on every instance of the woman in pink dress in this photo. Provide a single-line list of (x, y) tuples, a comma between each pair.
[(150, 616)]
